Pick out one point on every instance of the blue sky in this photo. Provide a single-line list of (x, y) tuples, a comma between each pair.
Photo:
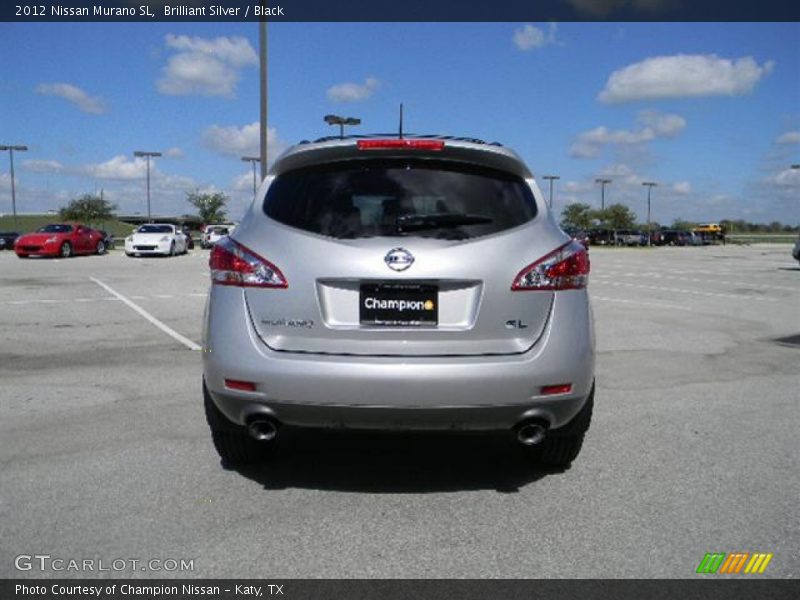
[(711, 112)]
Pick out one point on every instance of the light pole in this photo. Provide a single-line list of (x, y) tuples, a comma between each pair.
[(551, 178), (341, 122), (650, 185), (262, 68), (147, 155), (253, 160), (13, 188), (602, 183)]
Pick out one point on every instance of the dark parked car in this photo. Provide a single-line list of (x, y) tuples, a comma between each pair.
[(601, 237), (7, 239), (108, 239), (189, 241), (628, 237), (674, 237)]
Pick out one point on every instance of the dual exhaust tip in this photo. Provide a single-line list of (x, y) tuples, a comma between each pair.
[(531, 432)]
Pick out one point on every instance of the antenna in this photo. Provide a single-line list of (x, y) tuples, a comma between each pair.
[(401, 121)]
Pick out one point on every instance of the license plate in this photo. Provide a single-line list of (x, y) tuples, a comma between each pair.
[(399, 304)]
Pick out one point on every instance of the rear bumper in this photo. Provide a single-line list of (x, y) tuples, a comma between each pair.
[(452, 392)]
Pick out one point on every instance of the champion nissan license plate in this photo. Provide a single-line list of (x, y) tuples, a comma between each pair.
[(398, 304)]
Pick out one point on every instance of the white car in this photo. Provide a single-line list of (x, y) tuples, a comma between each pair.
[(156, 238), (214, 233)]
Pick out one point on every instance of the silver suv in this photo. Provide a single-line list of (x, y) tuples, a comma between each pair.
[(414, 283)]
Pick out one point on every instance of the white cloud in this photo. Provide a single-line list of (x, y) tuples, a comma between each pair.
[(661, 124), (684, 76), (244, 182), (530, 37), (119, 167), (243, 141), (790, 137), (353, 92), (235, 51), (173, 152), (43, 166), (682, 187), (71, 93), (787, 177), (652, 124), (210, 67)]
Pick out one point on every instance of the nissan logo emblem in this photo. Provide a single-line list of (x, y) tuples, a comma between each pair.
[(398, 259)]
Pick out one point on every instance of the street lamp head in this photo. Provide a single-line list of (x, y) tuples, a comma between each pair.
[(252, 159), (337, 120), (602, 181), (141, 153), (649, 183), (16, 148)]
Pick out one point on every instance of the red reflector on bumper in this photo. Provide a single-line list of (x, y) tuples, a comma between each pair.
[(561, 388), (245, 386)]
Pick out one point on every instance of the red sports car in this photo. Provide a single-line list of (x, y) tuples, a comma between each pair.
[(60, 239)]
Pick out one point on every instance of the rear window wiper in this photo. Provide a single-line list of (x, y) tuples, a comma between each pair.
[(438, 221)]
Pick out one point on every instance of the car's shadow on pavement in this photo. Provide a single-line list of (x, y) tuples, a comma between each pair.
[(394, 462)]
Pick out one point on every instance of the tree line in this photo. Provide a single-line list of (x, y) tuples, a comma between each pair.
[(618, 216), (91, 208), (210, 207)]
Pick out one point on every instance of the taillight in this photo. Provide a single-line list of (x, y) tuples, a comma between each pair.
[(566, 268), (400, 144), (233, 264)]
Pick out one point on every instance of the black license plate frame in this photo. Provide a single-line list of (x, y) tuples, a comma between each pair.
[(398, 304)]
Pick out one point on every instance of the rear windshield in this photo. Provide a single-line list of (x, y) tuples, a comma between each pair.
[(359, 199)]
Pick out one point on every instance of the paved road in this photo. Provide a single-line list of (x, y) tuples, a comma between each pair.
[(105, 453)]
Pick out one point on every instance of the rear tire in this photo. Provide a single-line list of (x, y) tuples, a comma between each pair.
[(232, 442), (101, 247), (562, 446)]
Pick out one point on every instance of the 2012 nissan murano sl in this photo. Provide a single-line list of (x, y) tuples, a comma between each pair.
[(415, 283)]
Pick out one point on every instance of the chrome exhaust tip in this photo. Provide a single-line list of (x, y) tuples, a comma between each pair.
[(531, 433), (262, 430)]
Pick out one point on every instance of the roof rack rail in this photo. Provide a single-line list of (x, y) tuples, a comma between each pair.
[(332, 138)]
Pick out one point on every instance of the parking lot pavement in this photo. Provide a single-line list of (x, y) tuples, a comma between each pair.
[(693, 448)]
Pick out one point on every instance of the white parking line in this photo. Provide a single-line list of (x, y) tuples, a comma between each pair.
[(165, 328)]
